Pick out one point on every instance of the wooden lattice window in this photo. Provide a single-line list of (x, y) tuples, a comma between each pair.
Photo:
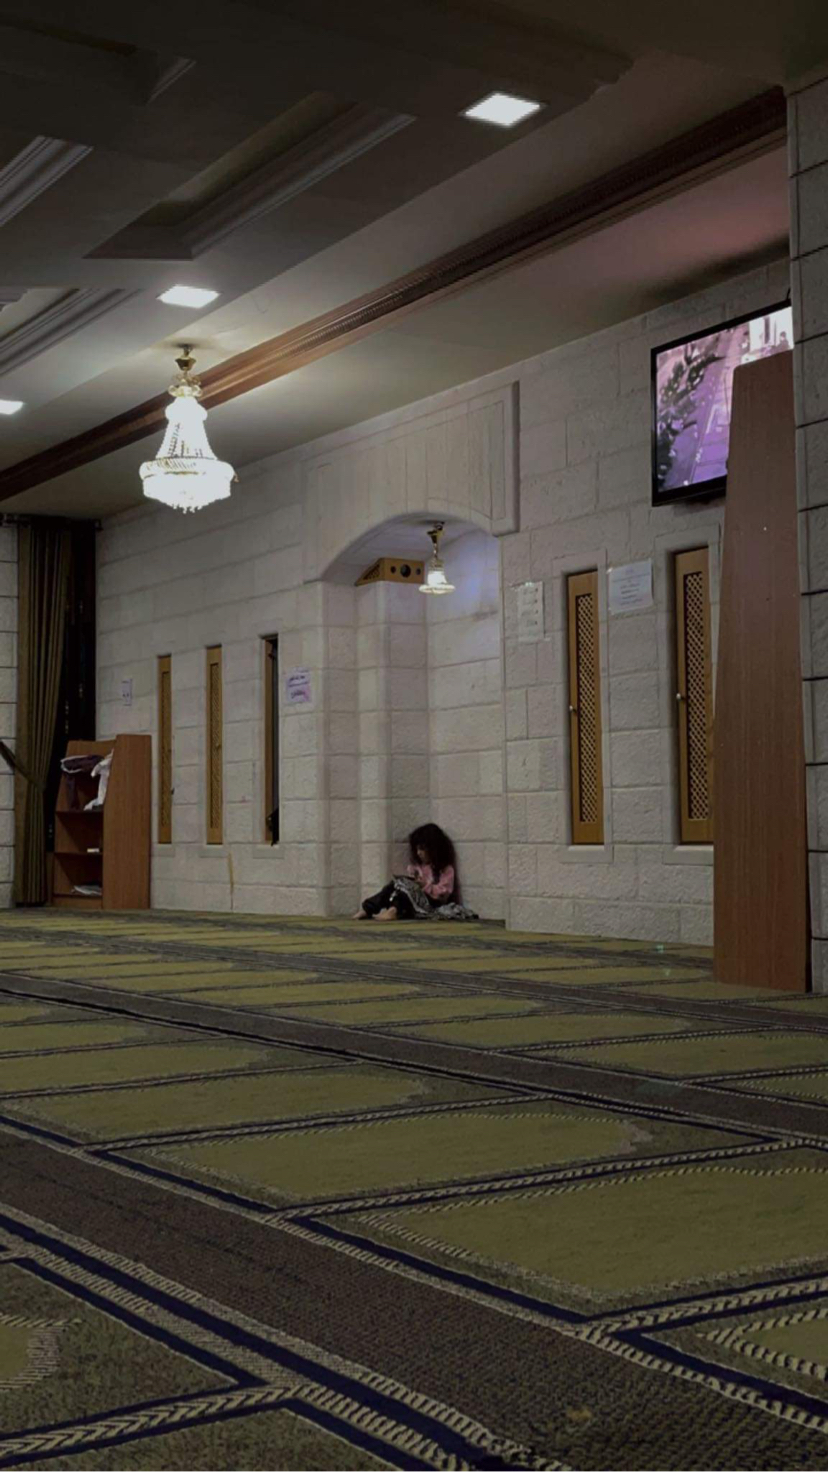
[(587, 777), (694, 697), (165, 755), (215, 794), (271, 738)]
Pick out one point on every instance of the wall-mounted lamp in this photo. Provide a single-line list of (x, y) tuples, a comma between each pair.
[(436, 580)]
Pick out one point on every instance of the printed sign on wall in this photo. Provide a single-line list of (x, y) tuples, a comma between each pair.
[(631, 587), (530, 612), (299, 687)]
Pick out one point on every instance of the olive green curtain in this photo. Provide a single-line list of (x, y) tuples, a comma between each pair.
[(43, 565)]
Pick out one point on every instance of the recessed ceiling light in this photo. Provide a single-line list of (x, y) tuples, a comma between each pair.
[(10, 406), (188, 296), (503, 109)]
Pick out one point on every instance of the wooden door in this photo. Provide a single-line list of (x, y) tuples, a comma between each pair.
[(215, 747), (585, 744), (694, 696)]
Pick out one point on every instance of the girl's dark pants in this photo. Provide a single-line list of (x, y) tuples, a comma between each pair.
[(390, 895)]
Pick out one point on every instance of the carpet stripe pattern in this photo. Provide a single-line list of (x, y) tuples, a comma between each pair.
[(294, 1193)]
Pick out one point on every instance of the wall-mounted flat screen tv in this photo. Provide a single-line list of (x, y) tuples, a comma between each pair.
[(692, 386)]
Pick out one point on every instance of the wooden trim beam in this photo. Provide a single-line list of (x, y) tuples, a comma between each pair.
[(747, 131)]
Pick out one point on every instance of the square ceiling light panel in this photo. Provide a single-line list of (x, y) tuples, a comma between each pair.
[(502, 109), (188, 296)]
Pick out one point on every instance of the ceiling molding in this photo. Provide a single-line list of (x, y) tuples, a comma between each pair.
[(10, 294), (36, 168), (328, 149), (267, 188), (70, 314), (156, 73), (34, 55), (745, 132), (33, 52)]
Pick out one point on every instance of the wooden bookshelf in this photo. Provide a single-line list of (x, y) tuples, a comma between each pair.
[(107, 846)]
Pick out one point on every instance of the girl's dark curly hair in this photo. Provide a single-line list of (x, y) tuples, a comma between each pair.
[(436, 844)]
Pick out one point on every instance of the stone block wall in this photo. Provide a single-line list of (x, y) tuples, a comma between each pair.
[(394, 778), (585, 503), (429, 707), (454, 455), (465, 675), (174, 585)]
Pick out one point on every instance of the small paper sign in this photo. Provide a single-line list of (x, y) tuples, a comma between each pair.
[(631, 587), (530, 612), (299, 687)]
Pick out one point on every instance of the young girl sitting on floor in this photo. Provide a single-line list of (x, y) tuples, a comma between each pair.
[(428, 890)]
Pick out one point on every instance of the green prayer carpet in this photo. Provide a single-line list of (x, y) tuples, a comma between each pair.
[(295, 1193)]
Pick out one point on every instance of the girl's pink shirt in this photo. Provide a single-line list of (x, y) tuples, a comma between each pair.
[(441, 888)]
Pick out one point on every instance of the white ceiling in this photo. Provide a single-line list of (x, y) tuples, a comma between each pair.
[(633, 266), (319, 154)]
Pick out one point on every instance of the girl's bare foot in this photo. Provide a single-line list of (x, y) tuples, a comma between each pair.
[(362, 915), (389, 914)]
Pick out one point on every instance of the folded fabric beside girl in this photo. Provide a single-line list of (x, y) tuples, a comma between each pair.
[(428, 890)]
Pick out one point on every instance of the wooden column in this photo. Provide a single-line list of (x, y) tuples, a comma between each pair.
[(761, 878)]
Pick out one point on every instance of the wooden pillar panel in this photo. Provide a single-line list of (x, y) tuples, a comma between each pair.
[(761, 894)]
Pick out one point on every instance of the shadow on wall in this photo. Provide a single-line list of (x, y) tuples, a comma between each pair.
[(429, 697)]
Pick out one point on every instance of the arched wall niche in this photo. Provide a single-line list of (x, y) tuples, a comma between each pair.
[(458, 462), (415, 690)]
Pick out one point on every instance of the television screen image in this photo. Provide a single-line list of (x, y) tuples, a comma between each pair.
[(692, 384)]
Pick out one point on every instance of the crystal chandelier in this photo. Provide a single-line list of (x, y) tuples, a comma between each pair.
[(186, 473), (436, 580)]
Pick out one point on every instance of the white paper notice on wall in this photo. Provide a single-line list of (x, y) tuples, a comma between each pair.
[(631, 587), (530, 612), (126, 692), (299, 687)]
